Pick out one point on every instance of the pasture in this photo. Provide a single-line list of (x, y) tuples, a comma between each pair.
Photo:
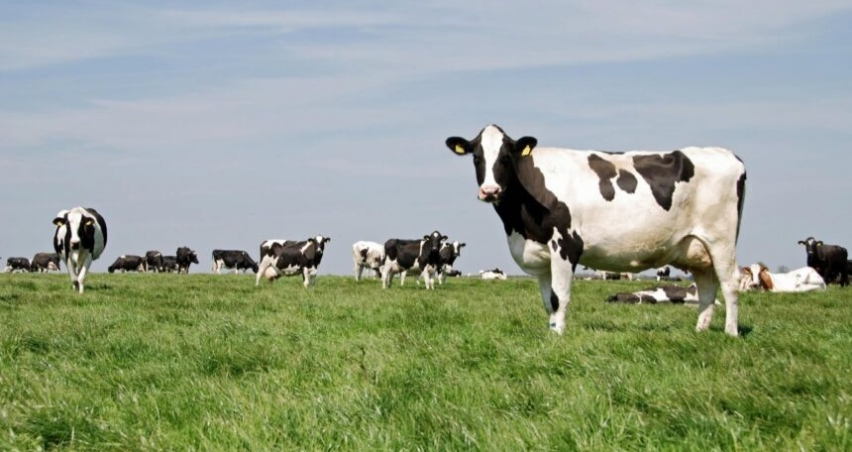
[(203, 362)]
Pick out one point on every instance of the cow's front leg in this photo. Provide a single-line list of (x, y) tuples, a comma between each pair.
[(71, 266), (265, 263), (562, 276), (427, 278), (87, 262)]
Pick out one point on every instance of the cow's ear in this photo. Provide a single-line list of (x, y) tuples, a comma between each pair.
[(444, 237), (458, 145), (89, 221), (327, 239), (59, 221), (524, 146), (462, 244), (819, 243), (802, 242)]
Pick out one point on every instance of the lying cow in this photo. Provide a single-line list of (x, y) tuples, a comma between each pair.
[(492, 274), (45, 262), (17, 264), (804, 279), (128, 263), (79, 239), (659, 294), (367, 255), (233, 259), (288, 258), (623, 212), (419, 255)]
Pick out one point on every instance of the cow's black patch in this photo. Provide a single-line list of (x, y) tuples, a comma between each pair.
[(662, 172), (627, 181), (363, 254), (554, 301), (740, 199), (571, 248), (605, 171), (675, 294)]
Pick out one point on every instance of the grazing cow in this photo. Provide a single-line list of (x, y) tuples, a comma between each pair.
[(45, 262), (287, 257), (664, 273), (154, 261), (185, 258), (79, 239), (830, 261), (402, 256), (660, 294), (14, 264), (620, 212), (367, 255), (235, 259), (170, 264), (128, 263), (804, 279), (448, 254), (492, 274)]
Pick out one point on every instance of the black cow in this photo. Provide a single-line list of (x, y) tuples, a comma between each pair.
[(185, 257), (287, 258), (170, 264), (402, 256), (830, 261), (17, 264), (44, 262), (79, 239), (154, 261), (236, 259), (128, 263)]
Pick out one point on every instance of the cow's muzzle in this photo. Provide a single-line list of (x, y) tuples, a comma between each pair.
[(489, 193)]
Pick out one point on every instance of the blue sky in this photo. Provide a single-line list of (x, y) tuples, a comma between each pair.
[(218, 126)]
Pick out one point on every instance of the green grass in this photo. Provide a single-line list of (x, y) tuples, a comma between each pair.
[(202, 362)]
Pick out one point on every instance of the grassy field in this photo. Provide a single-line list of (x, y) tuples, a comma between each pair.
[(202, 362)]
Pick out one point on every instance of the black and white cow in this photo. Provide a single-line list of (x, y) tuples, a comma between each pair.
[(45, 262), (154, 261), (660, 294), (13, 264), (830, 261), (449, 253), (402, 256), (494, 273), (128, 263), (170, 264), (233, 259), (664, 273), (287, 258), (368, 255), (185, 258), (627, 211), (79, 239)]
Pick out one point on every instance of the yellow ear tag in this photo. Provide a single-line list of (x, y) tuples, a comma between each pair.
[(90, 222), (526, 152), (459, 150)]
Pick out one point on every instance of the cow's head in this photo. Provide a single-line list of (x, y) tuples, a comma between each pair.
[(812, 248), (432, 242), (75, 228), (494, 154), (251, 263), (321, 241)]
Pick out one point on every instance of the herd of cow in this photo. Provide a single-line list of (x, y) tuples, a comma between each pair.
[(614, 211)]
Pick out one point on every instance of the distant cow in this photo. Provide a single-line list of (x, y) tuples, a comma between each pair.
[(128, 263), (830, 261), (169, 264), (449, 253), (615, 211), (288, 258), (185, 258), (44, 262), (79, 239), (664, 273), (495, 273), (660, 294), (804, 279), (367, 255), (413, 255), (14, 264), (233, 259), (154, 261)]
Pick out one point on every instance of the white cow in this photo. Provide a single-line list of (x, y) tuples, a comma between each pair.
[(492, 274), (623, 212), (80, 238), (368, 255), (804, 279)]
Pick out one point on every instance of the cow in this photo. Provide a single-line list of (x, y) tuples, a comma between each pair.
[(154, 261), (369, 255), (79, 239), (14, 264), (287, 257), (448, 254), (623, 212), (185, 258), (403, 255), (45, 262), (170, 264), (664, 273), (128, 263), (492, 274), (659, 294), (804, 279), (233, 259), (830, 261)]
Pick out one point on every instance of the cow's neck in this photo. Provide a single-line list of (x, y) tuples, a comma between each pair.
[(521, 213)]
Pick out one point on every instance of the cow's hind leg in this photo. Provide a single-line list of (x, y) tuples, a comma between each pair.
[(707, 285)]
